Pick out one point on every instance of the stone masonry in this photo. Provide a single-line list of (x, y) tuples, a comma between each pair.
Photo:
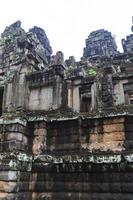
[(100, 43), (66, 127), (128, 42)]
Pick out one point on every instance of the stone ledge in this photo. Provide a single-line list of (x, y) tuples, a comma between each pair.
[(96, 159), (13, 121)]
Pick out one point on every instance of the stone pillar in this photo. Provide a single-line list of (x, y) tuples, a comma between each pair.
[(58, 86), (70, 96), (21, 92), (76, 99), (15, 92), (15, 172), (57, 93), (15, 162)]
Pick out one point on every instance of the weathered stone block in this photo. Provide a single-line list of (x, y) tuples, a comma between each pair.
[(113, 128), (9, 175)]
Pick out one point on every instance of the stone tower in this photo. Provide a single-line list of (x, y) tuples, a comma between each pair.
[(66, 128), (132, 24), (100, 43), (128, 42), (43, 39)]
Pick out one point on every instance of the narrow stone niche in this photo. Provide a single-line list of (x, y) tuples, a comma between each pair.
[(1, 99)]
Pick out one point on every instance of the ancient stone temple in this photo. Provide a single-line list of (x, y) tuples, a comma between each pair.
[(66, 127), (128, 42), (42, 37), (100, 43)]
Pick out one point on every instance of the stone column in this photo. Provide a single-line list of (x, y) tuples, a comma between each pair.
[(15, 162)]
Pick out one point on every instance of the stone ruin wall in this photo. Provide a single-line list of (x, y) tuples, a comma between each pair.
[(73, 159), (49, 150)]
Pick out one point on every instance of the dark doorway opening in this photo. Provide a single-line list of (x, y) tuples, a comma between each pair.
[(85, 104), (1, 99)]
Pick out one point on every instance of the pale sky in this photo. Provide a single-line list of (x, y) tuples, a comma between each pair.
[(68, 23)]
